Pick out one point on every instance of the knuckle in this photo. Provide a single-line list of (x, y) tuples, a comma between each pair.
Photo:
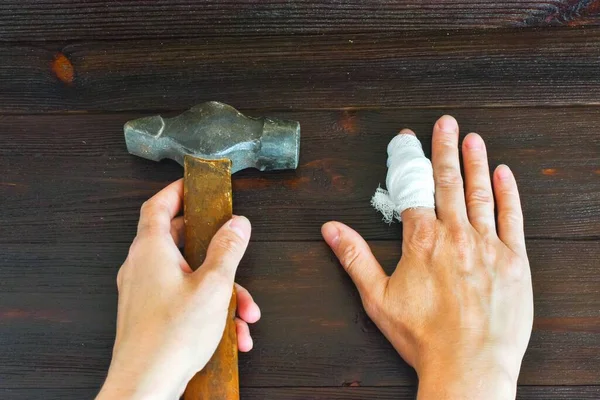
[(351, 256), (152, 207), (461, 246), (231, 244), (464, 265), (509, 193), (146, 207), (489, 254), (466, 268), (422, 235), (514, 268), (479, 197), (511, 218), (448, 177), (448, 142), (370, 305), (484, 225), (491, 249), (460, 238), (478, 162), (149, 217)]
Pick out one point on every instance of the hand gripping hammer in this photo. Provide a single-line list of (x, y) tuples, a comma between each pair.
[(212, 141)]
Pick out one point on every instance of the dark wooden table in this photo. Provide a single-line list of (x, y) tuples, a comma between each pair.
[(525, 75)]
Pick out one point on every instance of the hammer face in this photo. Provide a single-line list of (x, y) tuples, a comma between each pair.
[(214, 131), (280, 145)]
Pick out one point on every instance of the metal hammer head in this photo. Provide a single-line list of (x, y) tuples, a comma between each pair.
[(215, 130)]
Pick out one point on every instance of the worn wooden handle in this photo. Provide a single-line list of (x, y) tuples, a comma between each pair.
[(206, 207)]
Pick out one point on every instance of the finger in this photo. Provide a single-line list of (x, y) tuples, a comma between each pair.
[(178, 235), (247, 309), (510, 215), (478, 186), (227, 248), (410, 216), (449, 192), (178, 231), (156, 214), (356, 258), (245, 342)]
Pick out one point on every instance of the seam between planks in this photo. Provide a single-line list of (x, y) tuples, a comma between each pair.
[(303, 109)]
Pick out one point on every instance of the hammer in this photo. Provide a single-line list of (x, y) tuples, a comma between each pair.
[(212, 141)]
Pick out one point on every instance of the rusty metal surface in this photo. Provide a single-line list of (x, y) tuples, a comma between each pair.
[(215, 130), (207, 205)]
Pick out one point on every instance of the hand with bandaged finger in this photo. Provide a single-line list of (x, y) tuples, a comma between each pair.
[(459, 306)]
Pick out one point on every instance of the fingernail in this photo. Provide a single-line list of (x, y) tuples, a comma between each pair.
[(331, 234), (240, 226), (406, 131), (473, 141), (257, 311), (448, 124), (503, 172)]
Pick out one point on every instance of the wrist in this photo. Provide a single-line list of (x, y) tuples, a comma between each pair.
[(120, 387), (142, 382), (475, 377)]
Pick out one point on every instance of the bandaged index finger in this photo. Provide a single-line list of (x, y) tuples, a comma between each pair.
[(409, 179)]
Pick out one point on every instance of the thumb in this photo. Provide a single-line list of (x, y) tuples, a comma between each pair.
[(227, 248), (356, 258)]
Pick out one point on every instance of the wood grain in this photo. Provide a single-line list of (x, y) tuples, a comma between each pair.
[(324, 393), (409, 393), (70, 178), (76, 20), (58, 305), (434, 69), (353, 73)]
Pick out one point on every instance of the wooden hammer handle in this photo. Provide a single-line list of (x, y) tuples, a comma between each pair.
[(207, 205)]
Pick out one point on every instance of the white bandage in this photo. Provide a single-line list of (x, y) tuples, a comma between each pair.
[(409, 179)]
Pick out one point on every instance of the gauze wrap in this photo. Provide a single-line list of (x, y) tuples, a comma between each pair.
[(409, 179)]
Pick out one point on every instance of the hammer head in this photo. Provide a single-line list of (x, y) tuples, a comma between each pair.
[(213, 131)]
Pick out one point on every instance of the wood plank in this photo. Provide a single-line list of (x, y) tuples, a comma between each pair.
[(69, 178), (409, 393), (77, 20), (58, 304), (431, 69), (323, 393)]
